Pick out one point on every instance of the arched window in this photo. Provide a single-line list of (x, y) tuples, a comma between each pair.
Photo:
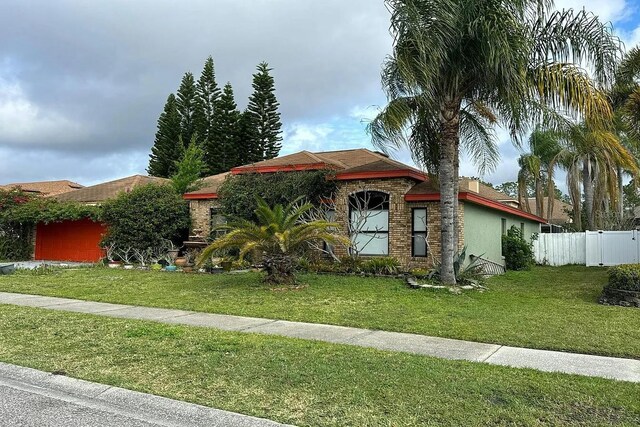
[(369, 222)]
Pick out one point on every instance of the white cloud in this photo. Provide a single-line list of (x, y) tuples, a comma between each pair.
[(608, 11), (22, 121)]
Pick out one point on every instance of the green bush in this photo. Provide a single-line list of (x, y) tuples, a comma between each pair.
[(382, 265), (625, 277), (518, 253), (238, 192), (146, 217)]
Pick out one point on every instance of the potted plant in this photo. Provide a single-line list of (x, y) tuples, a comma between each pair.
[(111, 250), (172, 252), (155, 255), (143, 257), (127, 256)]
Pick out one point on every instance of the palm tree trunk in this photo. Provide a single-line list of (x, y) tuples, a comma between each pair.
[(620, 195), (551, 190), (587, 183), (539, 197), (450, 128)]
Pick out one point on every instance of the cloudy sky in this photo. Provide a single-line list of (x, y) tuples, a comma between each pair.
[(82, 82)]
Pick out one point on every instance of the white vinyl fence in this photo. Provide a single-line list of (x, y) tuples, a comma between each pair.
[(591, 248)]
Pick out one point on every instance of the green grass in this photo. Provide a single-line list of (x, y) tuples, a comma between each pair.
[(549, 308), (304, 382)]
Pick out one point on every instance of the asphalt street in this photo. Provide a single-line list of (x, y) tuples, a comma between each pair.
[(31, 398)]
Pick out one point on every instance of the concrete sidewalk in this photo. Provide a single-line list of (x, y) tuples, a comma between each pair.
[(543, 360), (34, 398)]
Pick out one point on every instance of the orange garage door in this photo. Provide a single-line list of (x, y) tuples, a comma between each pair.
[(70, 241)]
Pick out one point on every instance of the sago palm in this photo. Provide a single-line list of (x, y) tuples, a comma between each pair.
[(279, 235), (459, 66)]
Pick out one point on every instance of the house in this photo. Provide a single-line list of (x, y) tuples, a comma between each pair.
[(44, 188), (560, 219), (79, 240), (388, 207)]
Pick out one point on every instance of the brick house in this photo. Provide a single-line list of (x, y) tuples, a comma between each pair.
[(396, 207)]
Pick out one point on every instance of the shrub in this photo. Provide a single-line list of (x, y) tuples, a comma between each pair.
[(238, 193), (382, 265), (518, 253), (146, 217), (625, 277)]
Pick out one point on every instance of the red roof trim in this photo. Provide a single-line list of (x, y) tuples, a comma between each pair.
[(200, 196), (281, 168), (398, 173), (477, 199)]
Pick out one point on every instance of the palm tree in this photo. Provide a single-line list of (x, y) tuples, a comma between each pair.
[(593, 159), (280, 234), (625, 97), (463, 65), (539, 166)]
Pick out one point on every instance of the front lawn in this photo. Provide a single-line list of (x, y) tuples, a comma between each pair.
[(549, 308), (304, 382)]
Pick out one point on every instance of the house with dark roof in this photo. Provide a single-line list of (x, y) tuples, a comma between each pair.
[(44, 188), (387, 207)]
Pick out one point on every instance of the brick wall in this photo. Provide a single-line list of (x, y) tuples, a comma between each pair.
[(399, 218), (201, 216), (400, 213)]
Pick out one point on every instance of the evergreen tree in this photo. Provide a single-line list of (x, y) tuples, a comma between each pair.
[(187, 107), (263, 107), (189, 169), (207, 96), (249, 149), (223, 146), (166, 147)]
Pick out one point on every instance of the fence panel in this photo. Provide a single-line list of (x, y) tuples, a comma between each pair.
[(619, 247), (560, 249), (591, 248)]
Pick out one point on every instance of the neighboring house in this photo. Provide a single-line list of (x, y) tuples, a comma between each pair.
[(560, 219), (388, 208), (80, 240), (45, 188)]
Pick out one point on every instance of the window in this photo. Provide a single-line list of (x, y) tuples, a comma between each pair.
[(369, 222), (330, 215), (504, 226), (419, 232), (522, 229), (216, 219)]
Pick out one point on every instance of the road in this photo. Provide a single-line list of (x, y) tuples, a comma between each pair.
[(31, 398)]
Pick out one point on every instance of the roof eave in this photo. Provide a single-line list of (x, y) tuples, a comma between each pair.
[(200, 196), (479, 200)]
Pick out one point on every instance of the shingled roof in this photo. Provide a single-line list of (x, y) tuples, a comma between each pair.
[(209, 189), (560, 210), (45, 188), (108, 190), (349, 164), (358, 163), (472, 191)]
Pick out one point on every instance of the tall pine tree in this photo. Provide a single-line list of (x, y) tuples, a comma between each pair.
[(222, 149), (249, 149), (187, 108), (207, 96), (263, 108), (167, 145)]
